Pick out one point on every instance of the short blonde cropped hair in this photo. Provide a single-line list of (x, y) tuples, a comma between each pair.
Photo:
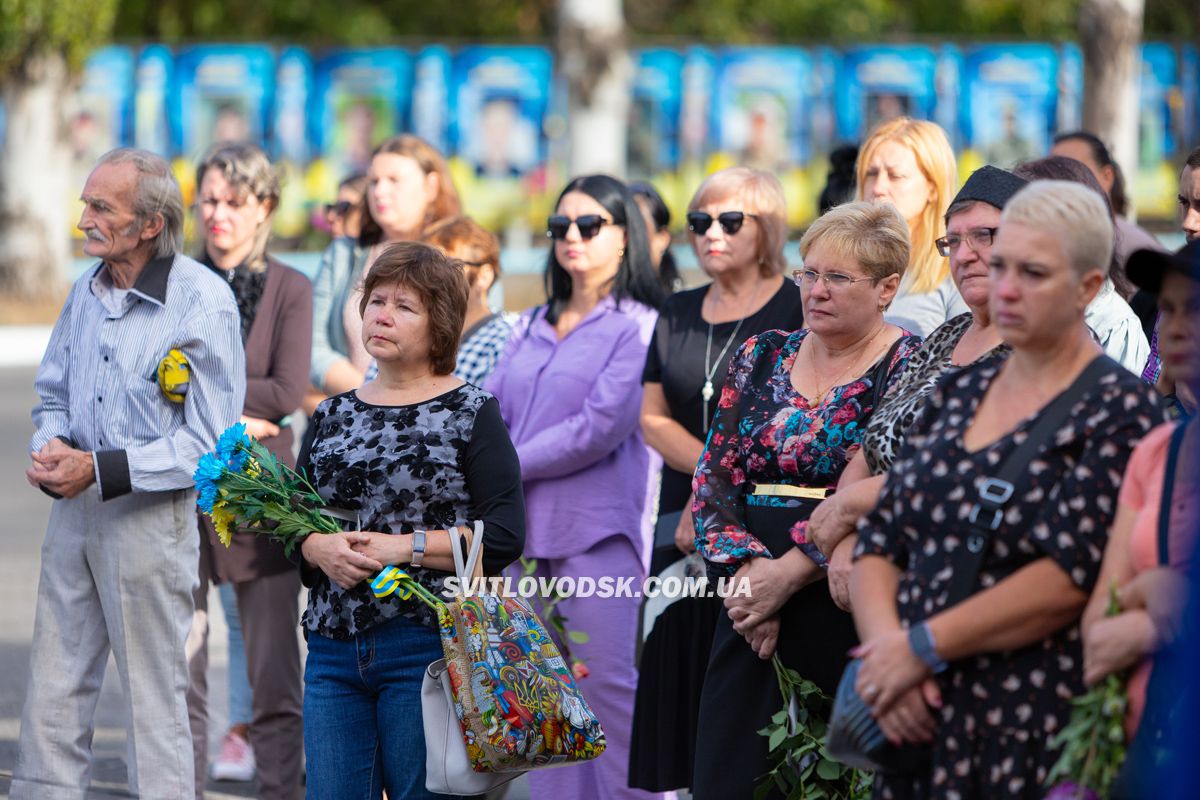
[(763, 195), (1075, 214), (935, 158), (873, 235)]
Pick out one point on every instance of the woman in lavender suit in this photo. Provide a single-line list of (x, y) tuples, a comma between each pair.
[(569, 387)]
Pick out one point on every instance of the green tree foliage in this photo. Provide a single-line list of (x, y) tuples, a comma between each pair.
[(369, 22), (30, 29)]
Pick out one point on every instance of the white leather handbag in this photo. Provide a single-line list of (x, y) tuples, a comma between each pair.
[(447, 767)]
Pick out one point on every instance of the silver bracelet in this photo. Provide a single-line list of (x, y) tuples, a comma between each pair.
[(418, 548)]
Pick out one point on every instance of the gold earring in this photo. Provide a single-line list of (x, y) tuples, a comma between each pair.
[(621, 253)]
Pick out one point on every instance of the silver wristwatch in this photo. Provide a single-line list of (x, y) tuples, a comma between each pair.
[(418, 548)]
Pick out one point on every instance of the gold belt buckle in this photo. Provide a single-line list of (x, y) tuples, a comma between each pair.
[(787, 490)]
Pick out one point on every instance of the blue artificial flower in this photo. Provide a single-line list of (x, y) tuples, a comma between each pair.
[(230, 446), (208, 496), (208, 472)]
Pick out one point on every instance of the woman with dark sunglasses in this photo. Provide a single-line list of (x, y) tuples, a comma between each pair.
[(738, 227), (569, 390)]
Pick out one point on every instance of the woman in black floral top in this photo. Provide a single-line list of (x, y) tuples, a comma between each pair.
[(791, 415), (988, 681), (412, 455)]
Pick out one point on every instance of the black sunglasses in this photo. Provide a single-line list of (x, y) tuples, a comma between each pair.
[(730, 221), (589, 225), (340, 208)]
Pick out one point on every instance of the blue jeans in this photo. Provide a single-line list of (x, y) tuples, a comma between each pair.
[(240, 710), (362, 713)]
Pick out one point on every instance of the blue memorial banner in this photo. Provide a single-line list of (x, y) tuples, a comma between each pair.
[(1160, 128), (362, 97), (1069, 113), (100, 115), (290, 139), (501, 95), (1010, 102), (431, 96), (947, 81), (291, 144), (152, 84), (497, 129), (653, 146), (222, 93), (1189, 85), (882, 83)]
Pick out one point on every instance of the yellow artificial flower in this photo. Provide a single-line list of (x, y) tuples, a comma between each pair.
[(222, 519)]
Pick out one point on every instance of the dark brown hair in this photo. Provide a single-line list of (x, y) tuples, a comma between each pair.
[(1193, 159), (465, 239), (446, 204), (1061, 168), (438, 281)]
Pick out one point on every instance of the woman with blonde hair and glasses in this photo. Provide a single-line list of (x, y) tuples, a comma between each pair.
[(791, 415), (909, 163), (238, 191), (738, 225)]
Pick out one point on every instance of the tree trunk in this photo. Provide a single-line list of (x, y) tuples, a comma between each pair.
[(593, 59), (34, 171), (1110, 33)]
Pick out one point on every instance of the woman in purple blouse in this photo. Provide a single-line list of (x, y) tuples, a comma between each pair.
[(569, 387)]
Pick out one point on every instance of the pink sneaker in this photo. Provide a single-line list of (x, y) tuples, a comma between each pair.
[(235, 762)]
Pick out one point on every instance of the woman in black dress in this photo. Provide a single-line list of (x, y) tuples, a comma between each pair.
[(738, 226), (988, 681)]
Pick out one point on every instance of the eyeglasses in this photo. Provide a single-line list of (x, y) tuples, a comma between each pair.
[(730, 221), (832, 280), (339, 209), (589, 225), (975, 239)]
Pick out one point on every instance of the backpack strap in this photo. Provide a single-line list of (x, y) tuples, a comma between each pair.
[(988, 512), (1168, 494)]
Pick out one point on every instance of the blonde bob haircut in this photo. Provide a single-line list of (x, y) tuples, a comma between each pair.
[(935, 158), (249, 172), (761, 194), (1076, 215), (873, 235)]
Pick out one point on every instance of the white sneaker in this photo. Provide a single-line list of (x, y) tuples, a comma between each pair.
[(235, 762)]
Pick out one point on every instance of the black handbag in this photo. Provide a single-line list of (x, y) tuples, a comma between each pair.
[(855, 738)]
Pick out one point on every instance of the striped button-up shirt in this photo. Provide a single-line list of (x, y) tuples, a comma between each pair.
[(98, 381)]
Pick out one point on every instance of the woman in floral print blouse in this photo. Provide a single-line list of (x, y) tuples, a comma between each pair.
[(791, 415)]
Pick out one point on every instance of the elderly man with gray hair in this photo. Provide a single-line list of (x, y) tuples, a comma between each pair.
[(143, 372)]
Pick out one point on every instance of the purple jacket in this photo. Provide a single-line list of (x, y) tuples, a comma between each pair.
[(572, 409)]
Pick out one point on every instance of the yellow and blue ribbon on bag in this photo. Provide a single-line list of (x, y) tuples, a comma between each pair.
[(174, 373)]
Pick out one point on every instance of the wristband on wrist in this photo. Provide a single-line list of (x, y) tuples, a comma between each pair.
[(920, 639), (418, 548)]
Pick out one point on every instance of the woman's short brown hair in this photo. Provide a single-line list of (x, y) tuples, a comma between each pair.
[(438, 281)]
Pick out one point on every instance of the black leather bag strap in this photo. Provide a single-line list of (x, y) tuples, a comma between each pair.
[(1168, 495), (996, 491)]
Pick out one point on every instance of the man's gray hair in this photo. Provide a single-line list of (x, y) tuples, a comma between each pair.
[(157, 193)]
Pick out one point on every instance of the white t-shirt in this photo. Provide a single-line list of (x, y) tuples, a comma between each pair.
[(923, 313), (1118, 329)]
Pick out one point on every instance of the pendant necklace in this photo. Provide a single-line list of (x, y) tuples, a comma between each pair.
[(707, 391)]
